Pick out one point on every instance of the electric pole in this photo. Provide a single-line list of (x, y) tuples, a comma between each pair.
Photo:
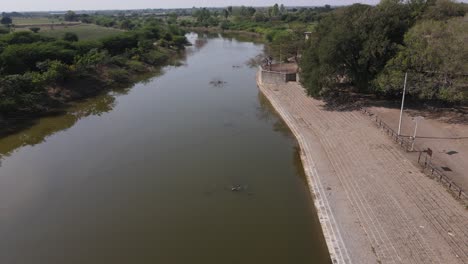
[(402, 103)]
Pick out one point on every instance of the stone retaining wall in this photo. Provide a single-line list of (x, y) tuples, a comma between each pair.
[(276, 77)]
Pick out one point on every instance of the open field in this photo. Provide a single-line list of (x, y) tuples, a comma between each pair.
[(34, 20), (84, 31)]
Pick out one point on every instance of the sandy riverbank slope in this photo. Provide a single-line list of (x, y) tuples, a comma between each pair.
[(375, 206)]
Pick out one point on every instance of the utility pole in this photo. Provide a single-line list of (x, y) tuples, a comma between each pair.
[(416, 119), (281, 59), (402, 103)]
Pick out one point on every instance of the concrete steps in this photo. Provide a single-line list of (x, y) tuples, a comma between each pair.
[(405, 216)]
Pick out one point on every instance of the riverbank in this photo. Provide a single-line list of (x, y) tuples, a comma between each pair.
[(374, 205), (220, 30), (78, 88)]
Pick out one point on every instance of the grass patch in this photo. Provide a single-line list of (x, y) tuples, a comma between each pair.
[(84, 31)]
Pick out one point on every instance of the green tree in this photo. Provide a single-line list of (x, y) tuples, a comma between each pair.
[(70, 16), (259, 17), (70, 36), (436, 56), (225, 25), (445, 9), (353, 44), (120, 43), (20, 58), (282, 9), (4, 30), (287, 44), (202, 15), (6, 20), (172, 18), (35, 29), (8, 23), (127, 24), (225, 14), (22, 93), (22, 37), (90, 60), (275, 11)]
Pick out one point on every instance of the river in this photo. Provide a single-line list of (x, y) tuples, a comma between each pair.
[(189, 166)]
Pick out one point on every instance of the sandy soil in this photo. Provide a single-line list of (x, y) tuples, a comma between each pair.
[(446, 133), (374, 204)]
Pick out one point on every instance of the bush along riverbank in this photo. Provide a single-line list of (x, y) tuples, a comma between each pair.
[(39, 74)]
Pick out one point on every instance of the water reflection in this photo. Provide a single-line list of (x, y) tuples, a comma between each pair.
[(42, 128), (267, 112), (16, 133), (242, 37)]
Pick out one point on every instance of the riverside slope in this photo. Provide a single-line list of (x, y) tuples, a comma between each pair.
[(374, 205)]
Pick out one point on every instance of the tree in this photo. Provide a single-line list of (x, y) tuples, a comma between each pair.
[(6, 20), (202, 15), (120, 43), (435, 55), (20, 58), (353, 44), (259, 17), (35, 29), (172, 19), (287, 44), (22, 37), (21, 93), (224, 25), (445, 9), (4, 30), (275, 11), (282, 9), (70, 36), (225, 14), (127, 24), (70, 16)]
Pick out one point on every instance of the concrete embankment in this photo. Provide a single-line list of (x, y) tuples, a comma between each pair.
[(374, 205)]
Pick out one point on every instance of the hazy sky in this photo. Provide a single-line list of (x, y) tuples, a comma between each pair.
[(45, 5)]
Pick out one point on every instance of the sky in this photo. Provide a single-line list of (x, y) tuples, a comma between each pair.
[(59, 5)]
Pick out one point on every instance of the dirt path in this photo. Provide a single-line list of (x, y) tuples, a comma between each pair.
[(375, 206)]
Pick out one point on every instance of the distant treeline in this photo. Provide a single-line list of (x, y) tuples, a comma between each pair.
[(369, 48), (38, 73)]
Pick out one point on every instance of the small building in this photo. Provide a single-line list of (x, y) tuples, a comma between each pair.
[(279, 73)]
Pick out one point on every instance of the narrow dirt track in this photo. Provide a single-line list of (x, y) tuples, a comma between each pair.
[(374, 205)]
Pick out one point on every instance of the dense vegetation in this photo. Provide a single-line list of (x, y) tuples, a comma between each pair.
[(372, 47), (282, 28), (270, 22), (369, 48), (39, 72)]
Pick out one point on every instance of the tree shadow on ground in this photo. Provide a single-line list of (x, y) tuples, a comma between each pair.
[(346, 99)]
